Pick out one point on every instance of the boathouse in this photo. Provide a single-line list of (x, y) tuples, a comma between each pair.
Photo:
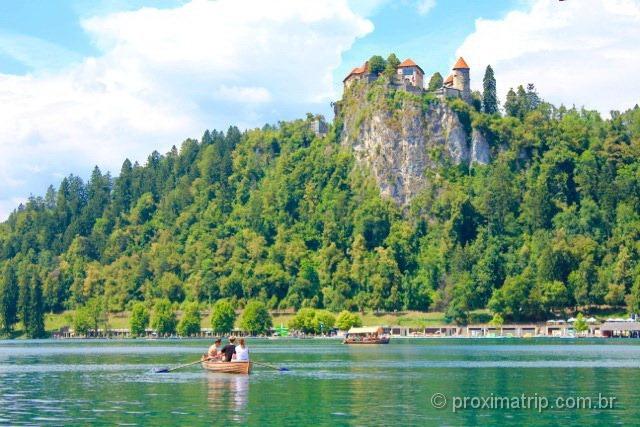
[(620, 329)]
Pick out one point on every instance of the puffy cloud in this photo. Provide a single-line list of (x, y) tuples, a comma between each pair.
[(583, 52), (164, 75), (425, 6)]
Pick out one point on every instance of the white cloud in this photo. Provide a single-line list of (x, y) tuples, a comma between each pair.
[(425, 6), (165, 75), (583, 52)]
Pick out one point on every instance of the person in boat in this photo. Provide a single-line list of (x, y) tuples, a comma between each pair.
[(242, 352), (229, 350), (214, 351)]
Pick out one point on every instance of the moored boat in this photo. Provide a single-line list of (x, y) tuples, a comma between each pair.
[(367, 335), (228, 367)]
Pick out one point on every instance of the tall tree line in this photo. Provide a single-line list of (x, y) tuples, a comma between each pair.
[(283, 216)]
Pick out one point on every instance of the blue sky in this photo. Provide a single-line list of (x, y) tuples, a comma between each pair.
[(86, 83)]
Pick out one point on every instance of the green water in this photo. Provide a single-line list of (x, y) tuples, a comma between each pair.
[(112, 382)]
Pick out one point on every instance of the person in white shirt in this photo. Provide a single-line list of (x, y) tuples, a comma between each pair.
[(242, 352)]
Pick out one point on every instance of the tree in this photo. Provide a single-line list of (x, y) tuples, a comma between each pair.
[(489, 94), (35, 326), (223, 317), (164, 318), (139, 319), (511, 106), (311, 321), (347, 320), (532, 99), (580, 325), (497, 320), (255, 318), (89, 316), (9, 294), (190, 322), (391, 65), (325, 321), (304, 321), (435, 82), (377, 64)]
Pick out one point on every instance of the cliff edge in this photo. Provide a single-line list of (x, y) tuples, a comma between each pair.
[(399, 135)]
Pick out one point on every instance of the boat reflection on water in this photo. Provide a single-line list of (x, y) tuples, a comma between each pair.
[(229, 393)]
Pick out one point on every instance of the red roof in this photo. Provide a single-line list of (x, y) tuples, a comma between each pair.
[(460, 64), (358, 70), (409, 63), (448, 80)]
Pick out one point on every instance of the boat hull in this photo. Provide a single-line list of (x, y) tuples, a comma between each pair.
[(382, 340), (243, 368)]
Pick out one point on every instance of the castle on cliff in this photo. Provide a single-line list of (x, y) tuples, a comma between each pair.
[(409, 76)]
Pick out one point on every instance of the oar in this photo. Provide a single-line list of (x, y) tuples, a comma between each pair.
[(165, 370), (281, 369)]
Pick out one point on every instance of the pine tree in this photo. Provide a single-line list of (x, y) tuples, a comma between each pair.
[(24, 299), (489, 96), (35, 327), (522, 102), (533, 99), (9, 294)]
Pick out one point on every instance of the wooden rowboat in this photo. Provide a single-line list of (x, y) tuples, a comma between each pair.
[(228, 367)]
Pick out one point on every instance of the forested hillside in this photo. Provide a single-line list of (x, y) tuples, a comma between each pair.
[(283, 216)]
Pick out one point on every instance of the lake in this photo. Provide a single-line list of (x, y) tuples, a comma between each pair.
[(478, 381)]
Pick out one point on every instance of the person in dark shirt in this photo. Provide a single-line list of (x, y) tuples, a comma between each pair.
[(229, 350)]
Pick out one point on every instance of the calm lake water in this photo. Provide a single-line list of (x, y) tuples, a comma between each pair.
[(113, 383)]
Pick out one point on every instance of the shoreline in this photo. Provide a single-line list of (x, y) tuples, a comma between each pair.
[(323, 338)]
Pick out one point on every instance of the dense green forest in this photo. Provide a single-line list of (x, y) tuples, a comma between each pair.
[(281, 215)]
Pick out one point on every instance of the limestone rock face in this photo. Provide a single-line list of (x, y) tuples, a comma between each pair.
[(399, 146), (480, 152)]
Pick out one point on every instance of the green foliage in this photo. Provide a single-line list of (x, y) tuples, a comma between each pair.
[(391, 65), (190, 322), (281, 216), (9, 294), (164, 318), (89, 317), (255, 318), (580, 325), (223, 317), (139, 319), (377, 64), (346, 320), (497, 320), (311, 321), (435, 82), (489, 94), (520, 103)]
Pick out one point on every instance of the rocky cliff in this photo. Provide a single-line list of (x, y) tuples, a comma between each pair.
[(398, 136)]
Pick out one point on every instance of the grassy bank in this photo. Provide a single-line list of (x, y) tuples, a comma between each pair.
[(56, 321), (410, 319)]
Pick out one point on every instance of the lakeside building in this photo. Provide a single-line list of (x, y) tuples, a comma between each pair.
[(617, 329), (611, 328)]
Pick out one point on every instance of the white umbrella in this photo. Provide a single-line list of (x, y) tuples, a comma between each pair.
[(571, 319), (591, 320)]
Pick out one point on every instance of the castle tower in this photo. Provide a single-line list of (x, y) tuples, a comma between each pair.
[(461, 79)]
